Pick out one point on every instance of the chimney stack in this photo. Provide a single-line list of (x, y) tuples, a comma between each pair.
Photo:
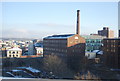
[(78, 23)]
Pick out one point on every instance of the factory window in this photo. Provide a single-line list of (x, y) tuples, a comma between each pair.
[(107, 50), (114, 41), (66, 50), (88, 55), (93, 41), (107, 41), (17, 52), (9, 55), (111, 45), (114, 50), (73, 50), (88, 41), (16, 55)]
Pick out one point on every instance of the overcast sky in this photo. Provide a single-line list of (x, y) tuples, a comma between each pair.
[(40, 19)]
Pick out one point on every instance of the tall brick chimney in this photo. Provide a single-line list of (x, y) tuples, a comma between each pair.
[(78, 23)]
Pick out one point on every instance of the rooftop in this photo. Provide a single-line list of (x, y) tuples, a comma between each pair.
[(15, 49), (93, 36), (112, 38), (65, 36)]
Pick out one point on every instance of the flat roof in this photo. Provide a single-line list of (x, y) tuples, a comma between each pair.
[(65, 36), (93, 36), (112, 39)]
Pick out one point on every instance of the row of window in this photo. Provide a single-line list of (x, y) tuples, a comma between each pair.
[(76, 41), (95, 47), (93, 44), (111, 46), (39, 52), (111, 41), (93, 41), (53, 49), (13, 55), (61, 50), (55, 41), (55, 45), (60, 45), (13, 52), (112, 50)]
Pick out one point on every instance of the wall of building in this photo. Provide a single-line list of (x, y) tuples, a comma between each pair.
[(111, 34), (54, 46), (31, 49), (14, 53), (71, 46), (93, 42), (106, 32), (39, 51), (111, 52)]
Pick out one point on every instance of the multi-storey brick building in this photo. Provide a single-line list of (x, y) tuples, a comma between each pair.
[(71, 44), (65, 45), (112, 52)]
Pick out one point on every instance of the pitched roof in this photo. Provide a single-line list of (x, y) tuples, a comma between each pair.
[(15, 49)]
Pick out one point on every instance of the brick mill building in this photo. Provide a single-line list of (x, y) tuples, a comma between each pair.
[(65, 45), (112, 52)]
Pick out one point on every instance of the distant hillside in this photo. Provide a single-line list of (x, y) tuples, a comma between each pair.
[(18, 38)]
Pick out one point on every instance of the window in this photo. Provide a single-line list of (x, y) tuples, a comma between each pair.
[(9, 55), (76, 41), (88, 55), (107, 49), (114, 50), (17, 52), (13, 52), (9, 51)]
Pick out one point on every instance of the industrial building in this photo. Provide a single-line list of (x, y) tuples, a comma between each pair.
[(93, 42), (106, 32), (112, 52), (65, 45)]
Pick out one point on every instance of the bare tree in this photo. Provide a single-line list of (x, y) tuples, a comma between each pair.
[(56, 65)]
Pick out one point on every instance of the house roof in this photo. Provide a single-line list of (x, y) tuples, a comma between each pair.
[(15, 49)]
